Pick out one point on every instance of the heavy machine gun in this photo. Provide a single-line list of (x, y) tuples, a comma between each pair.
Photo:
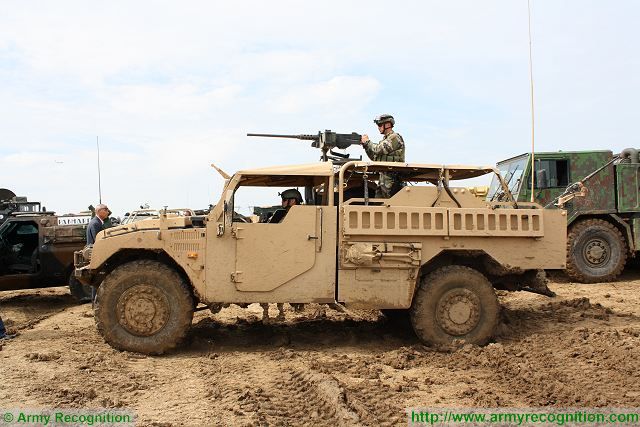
[(326, 141)]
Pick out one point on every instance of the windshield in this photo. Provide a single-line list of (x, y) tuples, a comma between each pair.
[(3, 227), (512, 172)]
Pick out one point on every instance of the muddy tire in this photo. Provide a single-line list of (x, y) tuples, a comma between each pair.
[(79, 292), (144, 306), (455, 303), (596, 251)]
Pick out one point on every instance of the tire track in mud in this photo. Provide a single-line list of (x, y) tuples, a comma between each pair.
[(376, 402), (274, 388), (30, 307), (571, 357)]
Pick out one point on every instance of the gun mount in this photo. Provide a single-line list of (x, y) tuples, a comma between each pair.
[(326, 141)]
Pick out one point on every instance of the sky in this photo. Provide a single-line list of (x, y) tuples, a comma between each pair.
[(169, 87)]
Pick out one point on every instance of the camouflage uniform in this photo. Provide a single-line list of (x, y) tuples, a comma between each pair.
[(390, 149)]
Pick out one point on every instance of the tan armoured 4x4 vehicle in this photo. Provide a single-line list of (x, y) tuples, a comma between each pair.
[(431, 249)]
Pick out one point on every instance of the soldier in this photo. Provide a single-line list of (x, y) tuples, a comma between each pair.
[(390, 149), (96, 224), (265, 312), (290, 197)]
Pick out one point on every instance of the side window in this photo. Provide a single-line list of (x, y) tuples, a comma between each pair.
[(259, 198), (26, 229), (557, 172)]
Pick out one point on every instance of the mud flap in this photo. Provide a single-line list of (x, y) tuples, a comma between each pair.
[(534, 281), (538, 284)]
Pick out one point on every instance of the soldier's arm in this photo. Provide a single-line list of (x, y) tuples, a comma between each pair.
[(368, 148), (386, 146)]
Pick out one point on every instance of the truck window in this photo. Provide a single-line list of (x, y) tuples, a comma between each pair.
[(557, 172), (26, 229), (512, 174)]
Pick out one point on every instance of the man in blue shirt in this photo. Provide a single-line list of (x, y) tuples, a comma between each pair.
[(97, 223)]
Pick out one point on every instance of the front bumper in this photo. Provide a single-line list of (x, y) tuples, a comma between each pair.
[(84, 275), (81, 261)]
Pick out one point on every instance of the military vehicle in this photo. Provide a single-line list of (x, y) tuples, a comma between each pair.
[(431, 249), (10, 203), (36, 251), (600, 192)]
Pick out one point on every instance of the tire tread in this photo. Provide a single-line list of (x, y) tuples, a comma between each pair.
[(124, 271), (573, 271)]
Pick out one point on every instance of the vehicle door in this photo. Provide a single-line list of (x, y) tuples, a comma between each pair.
[(18, 254), (293, 260), (269, 255)]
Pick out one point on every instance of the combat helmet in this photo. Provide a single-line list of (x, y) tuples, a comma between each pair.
[(291, 193), (384, 118)]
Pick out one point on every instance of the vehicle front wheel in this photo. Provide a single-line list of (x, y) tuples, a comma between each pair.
[(144, 306), (455, 303), (596, 251)]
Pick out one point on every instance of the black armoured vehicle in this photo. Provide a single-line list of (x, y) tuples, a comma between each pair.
[(36, 251)]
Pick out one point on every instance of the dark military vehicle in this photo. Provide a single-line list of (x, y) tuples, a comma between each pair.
[(10, 203), (36, 251), (600, 192)]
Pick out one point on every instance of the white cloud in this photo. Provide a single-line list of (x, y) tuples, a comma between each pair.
[(163, 101), (345, 93)]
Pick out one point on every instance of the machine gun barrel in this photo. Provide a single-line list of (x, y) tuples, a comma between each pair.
[(325, 141), (272, 135)]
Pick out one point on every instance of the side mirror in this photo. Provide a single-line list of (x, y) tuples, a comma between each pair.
[(543, 180)]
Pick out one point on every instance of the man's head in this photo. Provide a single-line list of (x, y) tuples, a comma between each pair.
[(385, 123), (102, 211), (291, 197)]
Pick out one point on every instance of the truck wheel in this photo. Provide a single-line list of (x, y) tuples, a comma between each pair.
[(80, 292), (455, 303), (596, 251), (144, 306)]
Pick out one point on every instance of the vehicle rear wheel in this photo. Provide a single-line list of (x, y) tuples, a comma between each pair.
[(144, 306), (455, 303), (596, 251)]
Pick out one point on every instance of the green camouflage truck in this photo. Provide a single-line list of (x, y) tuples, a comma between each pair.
[(599, 190)]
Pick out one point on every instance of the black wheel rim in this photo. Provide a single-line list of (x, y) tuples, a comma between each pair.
[(596, 252)]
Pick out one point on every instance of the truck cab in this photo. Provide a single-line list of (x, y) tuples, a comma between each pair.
[(603, 219)]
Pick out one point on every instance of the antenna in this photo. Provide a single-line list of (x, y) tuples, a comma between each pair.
[(99, 180), (533, 167)]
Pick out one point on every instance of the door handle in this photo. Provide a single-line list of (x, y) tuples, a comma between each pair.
[(310, 237)]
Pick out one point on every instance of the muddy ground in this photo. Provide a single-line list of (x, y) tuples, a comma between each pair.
[(346, 368)]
